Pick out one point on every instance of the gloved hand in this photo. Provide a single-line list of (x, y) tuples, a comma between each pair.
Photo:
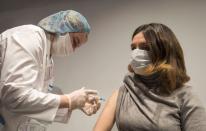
[(78, 98), (92, 106)]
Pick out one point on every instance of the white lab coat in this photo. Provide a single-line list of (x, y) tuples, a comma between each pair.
[(25, 75)]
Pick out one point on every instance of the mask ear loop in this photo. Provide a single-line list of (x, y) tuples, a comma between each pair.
[(69, 42)]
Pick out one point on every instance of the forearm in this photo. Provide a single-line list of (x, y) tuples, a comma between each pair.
[(30, 102), (25, 99)]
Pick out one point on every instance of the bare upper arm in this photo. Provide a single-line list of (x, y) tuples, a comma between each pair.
[(106, 120)]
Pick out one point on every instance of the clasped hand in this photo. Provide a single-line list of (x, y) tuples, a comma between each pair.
[(84, 99)]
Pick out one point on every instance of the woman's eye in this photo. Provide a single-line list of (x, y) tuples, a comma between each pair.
[(144, 46), (133, 47)]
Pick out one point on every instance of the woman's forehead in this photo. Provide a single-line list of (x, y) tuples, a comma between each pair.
[(138, 39)]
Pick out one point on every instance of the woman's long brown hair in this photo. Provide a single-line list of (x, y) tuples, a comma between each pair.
[(166, 55)]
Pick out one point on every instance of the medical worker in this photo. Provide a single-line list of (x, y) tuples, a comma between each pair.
[(27, 72)]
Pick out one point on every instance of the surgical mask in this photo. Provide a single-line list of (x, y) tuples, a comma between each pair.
[(139, 60), (62, 45)]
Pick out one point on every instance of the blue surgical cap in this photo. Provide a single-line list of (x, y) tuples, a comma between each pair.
[(64, 22)]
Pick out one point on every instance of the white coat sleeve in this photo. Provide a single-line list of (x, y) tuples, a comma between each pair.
[(20, 76)]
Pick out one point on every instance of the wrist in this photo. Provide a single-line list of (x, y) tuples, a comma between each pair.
[(64, 101)]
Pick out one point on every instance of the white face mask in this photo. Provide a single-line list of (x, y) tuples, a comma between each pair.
[(62, 46), (139, 61)]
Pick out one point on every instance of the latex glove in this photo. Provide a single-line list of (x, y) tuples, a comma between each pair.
[(92, 106), (78, 98)]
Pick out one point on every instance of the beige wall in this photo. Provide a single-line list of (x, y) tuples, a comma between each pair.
[(102, 63)]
